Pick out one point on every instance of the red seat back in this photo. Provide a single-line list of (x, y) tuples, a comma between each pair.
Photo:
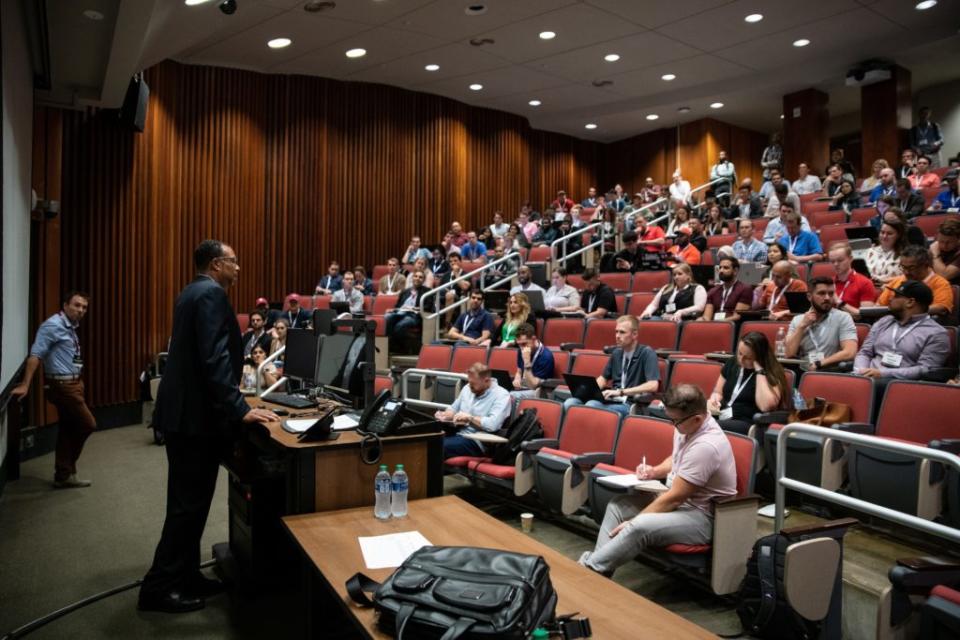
[(557, 331), (464, 356), (768, 328), (642, 436), (316, 302), (930, 224), (616, 281), (918, 411), (822, 269), (819, 219), (698, 338), (549, 412), (576, 281), (662, 366), (561, 363), (702, 373), (862, 215), (853, 391), (658, 334), (503, 358), (589, 364), (382, 383), (812, 207), (834, 233), (434, 356), (745, 457), (586, 429), (863, 329), (379, 270), (647, 281), (601, 332), (243, 319), (722, 240), (539, 254), (759, 227), (638, 302), (383, 303), (929, 195)]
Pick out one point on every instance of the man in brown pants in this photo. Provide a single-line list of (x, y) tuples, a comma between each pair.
[(58, 347)]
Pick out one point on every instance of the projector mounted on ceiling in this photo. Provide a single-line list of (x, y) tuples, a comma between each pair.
[(869, 72)]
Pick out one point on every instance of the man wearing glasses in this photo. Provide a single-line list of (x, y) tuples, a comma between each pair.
[(700, 468)]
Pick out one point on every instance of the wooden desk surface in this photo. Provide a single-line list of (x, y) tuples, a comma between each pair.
[(330, 541)]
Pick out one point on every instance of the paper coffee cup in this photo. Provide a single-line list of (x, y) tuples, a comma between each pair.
[(526, 521)]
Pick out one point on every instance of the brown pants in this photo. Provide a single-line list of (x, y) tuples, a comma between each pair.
[(75, 425)]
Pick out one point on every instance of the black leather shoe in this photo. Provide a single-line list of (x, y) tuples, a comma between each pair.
[(204, 587), (173, 602)]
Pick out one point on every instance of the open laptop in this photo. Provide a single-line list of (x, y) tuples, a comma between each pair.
[(866, 232), (340, 307), (503, 378), (536, 300), (583, 388), (752, 273), (797, 302), (495, 299)]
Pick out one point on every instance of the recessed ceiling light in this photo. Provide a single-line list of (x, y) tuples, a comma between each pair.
[(754, 17), (93, 14), (547, 35), (432, 67), (279, 43), (534, 103), (802, 42), (683, 110), (476, 87), (926, 4), (590, 125), (652, 116), (193, 3), (611, 57), (668, 77), (356, 53), (475, 9), (716, 105), (781, 116)]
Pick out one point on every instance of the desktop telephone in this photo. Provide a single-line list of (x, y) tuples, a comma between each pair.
[(383, 417)]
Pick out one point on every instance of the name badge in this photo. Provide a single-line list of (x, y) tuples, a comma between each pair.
[(671, 308), (814, 356), (726, 414), (891, 359), (720, 316), (78, 362)]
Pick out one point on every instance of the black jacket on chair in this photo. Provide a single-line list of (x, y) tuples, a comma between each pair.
[(200, 390)]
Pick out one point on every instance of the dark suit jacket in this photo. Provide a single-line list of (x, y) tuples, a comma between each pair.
[(756, 209), (428, 306), (200, 390)]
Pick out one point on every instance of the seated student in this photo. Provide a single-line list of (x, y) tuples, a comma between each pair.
[(330, 282), (475, 325), (534, 363), (458, 289), (598, 299), (883, 258), (573, 243), (948, 199), (800, 245), (923, 178), (280, 329), (915, 263), (777, 227), (269, 375), (697, 238), (393, 282), (257, 334), (628, 258), (853, 289), (700, 468), (500, 272), (438, 264), (414, 251), (846, 199), (525, 281), (650, 237), (420, 264), (561, 297), (887, 186), (362, 283), (683, 249), (349, 293), (945, 251), (473, 249), (772, 298), (631, 369), (482, 405), (824, 336), (888, 212), (747, 248), (405, 316), (271, 315), (753, 382), (726, 300), (682, 299), (746, 205), (547, 234), (296, 316), (908, 344), (908, 200), (499, 228), (518, 313)]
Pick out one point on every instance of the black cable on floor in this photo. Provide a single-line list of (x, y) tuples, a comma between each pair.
[(33, 625)]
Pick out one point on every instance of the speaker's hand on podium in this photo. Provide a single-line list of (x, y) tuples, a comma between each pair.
[(260, 415)]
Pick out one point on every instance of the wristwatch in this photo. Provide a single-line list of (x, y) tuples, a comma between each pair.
[(818, 364)]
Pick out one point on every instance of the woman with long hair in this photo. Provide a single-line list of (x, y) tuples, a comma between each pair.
[(681, 216), (753, 382), (714, 222), (883, 259), (871, 181), (269, 375), (280, 328), (681, 299), (518, 312), (421, 263), (846, 198)]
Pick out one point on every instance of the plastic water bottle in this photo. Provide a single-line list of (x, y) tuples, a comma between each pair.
[(381, 489), (401, 484), (781, 343)]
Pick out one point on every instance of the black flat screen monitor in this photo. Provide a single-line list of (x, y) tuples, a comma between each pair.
[(300, 357), (332, 354)]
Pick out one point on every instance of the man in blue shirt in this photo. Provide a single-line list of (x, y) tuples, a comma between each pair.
[(948, 200), (777, 227), (747, 248), (799, 245), (482, 405), (473, 249), (330, 282), (475, 325), (887, 186), (58, 347), (534, 364)]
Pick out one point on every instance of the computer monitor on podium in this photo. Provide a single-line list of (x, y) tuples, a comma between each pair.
[(331, 358), (300, 357)]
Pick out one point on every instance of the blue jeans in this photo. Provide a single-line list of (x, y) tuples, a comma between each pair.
[(457, 445), (400, 323), (623, 408)]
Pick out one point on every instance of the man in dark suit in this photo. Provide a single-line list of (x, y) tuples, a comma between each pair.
[(405, 316), (199, 406)]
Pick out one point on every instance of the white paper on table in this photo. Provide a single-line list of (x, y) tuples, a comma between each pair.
[(391, 550), (344, 423), (299, 426), (630, 481)]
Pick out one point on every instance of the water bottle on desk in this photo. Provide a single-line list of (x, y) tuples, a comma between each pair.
[(381, 488), (401, 485), (781, 343)]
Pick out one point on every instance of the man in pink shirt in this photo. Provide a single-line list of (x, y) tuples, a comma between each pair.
[(923, 178), (700, 468)]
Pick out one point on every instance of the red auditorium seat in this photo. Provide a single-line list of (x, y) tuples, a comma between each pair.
[(768, 328), (834, 233), (929, 195), (382, 304), (659, 334), (812, 207), (503, 359), (601, 332), (760, 226), (539, 254), (722, 240), (863, 215), (243, 319), (930, 223), (575, 280), (559, 331), (698, 338), (822, 269), (638, 302), (819, 219), (617, 281), (382, 383), (701, 373), (647, 281)]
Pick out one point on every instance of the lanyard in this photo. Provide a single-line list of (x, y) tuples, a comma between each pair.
[(775, 298), (724, 295), (792, 242), (592, 302), (739, 386), (73, 334), (624, 365), (814, 330), (896, 330), (469, 321)]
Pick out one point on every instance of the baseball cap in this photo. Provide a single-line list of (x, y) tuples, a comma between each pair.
[(293, 296), (261, 301), (685, 230), (916, 290)]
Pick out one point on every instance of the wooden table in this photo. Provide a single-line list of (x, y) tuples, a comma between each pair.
[(329, 543)]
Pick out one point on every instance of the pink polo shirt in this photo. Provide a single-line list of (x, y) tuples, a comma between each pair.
[(705, 459)]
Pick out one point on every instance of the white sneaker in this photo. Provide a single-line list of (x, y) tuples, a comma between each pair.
[(72, 482)]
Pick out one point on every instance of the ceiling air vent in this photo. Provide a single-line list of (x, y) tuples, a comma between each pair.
[(479, 42), (602, 83), (316, 6)]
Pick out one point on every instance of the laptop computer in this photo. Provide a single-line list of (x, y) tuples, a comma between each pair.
[(865, 232), (536, 300), (583, 388), (495, 299), (340, 307), (503, 378), (752, 273), (797, 302)]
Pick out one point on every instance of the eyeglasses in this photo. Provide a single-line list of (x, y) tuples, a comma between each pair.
[(232, 259), (677, 423)]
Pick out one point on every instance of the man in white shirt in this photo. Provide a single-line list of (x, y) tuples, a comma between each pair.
[(482, 405), (824, 336), (499, 228), (525, 281), (777, 228), (679, 189), (806, 182), (349, 294), (781, 194)]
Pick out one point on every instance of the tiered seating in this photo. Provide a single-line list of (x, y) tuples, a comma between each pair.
[(700, 373), (464, 356), (600, 333), (432, 356), (658, 334), (698, 338), (561, 331)]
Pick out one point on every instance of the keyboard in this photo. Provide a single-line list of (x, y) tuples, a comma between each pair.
[(289, 400)]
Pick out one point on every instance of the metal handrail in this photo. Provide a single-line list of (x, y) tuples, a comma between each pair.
[(910, 450), (270, 358), (433, 373), (656, 203), (579, 231), (707, 185)]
